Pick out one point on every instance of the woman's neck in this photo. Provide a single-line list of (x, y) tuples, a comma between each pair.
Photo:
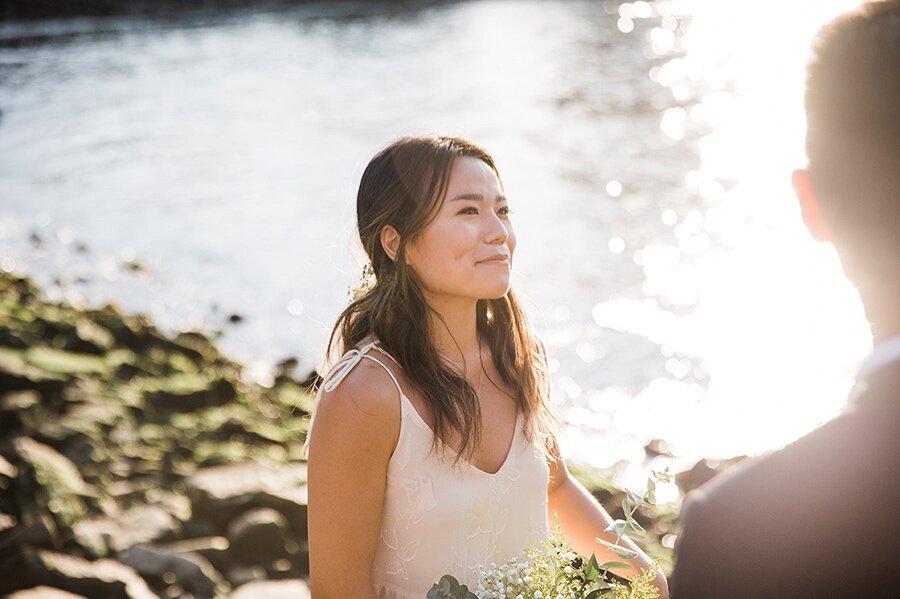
[(454, 332)]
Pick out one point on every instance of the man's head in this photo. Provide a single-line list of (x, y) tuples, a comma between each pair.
[(850, 193)]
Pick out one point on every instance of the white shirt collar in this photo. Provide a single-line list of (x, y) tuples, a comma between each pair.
[(883, 354)]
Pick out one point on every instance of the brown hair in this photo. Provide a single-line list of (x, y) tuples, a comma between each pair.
[(404, 186), (853, 117)]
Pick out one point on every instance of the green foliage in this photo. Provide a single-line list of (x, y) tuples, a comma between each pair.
[(449, 588)]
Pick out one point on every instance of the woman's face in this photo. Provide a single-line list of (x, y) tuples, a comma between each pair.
[(467, 250)]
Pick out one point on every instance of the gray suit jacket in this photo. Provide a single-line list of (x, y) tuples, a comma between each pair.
[(819, 518)]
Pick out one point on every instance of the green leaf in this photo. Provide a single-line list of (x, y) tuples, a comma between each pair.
[(600, 586), (592, 570), (623, 552), (633, 497), (617, 527), (628, 508), (635, 527), (663, 476), (447, 588)]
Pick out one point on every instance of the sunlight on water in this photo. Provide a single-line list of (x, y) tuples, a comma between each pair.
[(773, 332), (192, 169)]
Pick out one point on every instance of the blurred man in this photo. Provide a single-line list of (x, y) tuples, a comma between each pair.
[(820, 517)]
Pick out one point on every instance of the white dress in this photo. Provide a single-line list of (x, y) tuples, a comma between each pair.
[(439, 520)]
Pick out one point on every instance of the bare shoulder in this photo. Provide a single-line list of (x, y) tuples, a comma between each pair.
[(365, 402)]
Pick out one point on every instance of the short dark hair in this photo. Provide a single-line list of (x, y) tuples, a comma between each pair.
[(853, 118)]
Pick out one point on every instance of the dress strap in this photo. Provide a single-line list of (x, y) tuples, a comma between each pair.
[(340, 370), (350, 359)]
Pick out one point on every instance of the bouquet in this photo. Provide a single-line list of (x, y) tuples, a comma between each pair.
[(556, 572)]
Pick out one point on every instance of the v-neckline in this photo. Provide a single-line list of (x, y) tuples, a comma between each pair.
[(509, 453)]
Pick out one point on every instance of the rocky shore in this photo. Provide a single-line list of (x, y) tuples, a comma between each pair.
[(139, 464)]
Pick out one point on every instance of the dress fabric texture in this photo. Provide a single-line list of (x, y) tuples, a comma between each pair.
[(438, 519)]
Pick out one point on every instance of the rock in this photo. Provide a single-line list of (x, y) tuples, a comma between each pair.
[(65, 362), (36, 533), (84, 426), (295, 397), (221, 493), (60, 486), (273, 589), (188, 392), (214, 549), (101, 578), (16, 372), (7, 472), (7, 522), (82, 390), (95, 338), (138, 525), (190, 571), (15, 405), (287, 366), (43, 592), (241, 575), (260, 537), (177, 505), (657, 447)]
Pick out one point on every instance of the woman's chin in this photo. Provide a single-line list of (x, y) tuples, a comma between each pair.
[(495, 293)]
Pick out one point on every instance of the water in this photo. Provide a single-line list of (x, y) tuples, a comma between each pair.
[(646, 149)]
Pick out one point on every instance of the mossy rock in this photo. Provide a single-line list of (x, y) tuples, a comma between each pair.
[(15, 364), (292, 396), (187, 392), (59, 486), (65, 362), (94, 334)]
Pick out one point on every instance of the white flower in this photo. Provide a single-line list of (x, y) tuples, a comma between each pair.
[(538, 595), (567, 569)]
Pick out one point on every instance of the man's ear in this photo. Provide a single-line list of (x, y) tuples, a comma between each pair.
[(390, 241), (810, 210)]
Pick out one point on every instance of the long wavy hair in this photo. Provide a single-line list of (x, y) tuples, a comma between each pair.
[(404, 186)]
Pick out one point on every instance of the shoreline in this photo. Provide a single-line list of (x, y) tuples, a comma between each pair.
[(23, 11), (132, 451)]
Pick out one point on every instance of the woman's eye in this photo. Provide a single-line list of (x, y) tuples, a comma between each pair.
[(469, 210), (505, 211)]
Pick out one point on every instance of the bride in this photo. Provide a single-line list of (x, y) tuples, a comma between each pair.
[(432, 448)]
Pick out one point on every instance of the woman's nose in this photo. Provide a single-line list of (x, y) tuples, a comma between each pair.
[(497, 231)]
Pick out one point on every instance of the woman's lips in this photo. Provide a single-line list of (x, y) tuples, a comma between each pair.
[(496, 261)]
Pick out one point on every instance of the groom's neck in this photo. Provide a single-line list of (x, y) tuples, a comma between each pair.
[(883, 314)]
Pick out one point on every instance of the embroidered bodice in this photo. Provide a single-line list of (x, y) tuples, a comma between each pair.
[(438, 519)]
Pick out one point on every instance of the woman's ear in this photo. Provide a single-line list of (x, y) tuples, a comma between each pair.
[(810, 209), (390, 241)]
